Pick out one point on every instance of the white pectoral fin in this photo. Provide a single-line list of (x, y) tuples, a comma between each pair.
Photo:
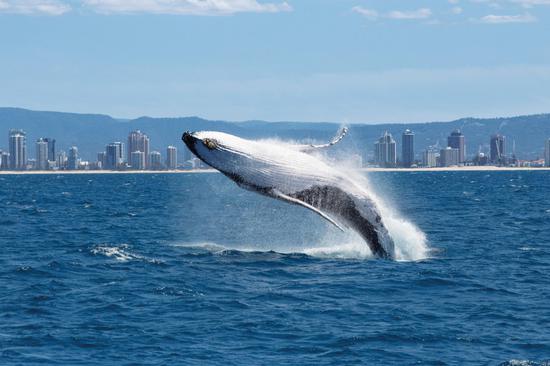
[(296, 201), (336, 139)]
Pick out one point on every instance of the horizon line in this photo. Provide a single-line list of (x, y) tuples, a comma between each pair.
[(121, 119)]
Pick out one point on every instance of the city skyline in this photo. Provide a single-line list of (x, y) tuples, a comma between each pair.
[(385, 154), (112, 158)]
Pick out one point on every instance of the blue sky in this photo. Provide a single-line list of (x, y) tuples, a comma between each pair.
[(317, 60)]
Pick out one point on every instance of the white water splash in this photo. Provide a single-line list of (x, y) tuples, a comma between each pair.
[(410, 243)]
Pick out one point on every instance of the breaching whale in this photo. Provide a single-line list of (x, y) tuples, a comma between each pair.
[(292, 173)]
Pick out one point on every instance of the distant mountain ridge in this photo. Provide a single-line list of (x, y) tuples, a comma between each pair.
[(91, 132)]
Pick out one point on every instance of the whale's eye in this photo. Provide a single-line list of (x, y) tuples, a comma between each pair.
[(211, 144)]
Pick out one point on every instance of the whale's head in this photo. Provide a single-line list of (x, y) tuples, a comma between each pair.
[(220, 150)]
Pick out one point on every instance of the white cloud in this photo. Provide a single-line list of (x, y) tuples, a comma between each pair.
[(34, 7), (422, 13), (454, 1), (500, 3), (456, 10), (500, 19), (491, 3), (531, 3), (371, 14), (185, 7), (367, 13)]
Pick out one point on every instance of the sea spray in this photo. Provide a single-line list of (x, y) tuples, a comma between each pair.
[(410, 243)]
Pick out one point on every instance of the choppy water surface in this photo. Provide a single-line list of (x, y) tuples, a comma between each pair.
[(190, 269)]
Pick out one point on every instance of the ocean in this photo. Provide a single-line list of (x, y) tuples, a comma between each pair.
[(157, 269)]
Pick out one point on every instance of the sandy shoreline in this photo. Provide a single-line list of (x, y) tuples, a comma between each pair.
[(31, 172), (453, 169), (201, 171)]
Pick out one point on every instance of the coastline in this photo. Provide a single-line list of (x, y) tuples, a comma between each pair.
[(476, 168), (203, 171), (39, 172)]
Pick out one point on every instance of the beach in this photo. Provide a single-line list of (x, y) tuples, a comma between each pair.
[(201, 171)]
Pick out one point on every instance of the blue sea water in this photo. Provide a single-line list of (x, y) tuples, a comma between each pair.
[(159, 269)]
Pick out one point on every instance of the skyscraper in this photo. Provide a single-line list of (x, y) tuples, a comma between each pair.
[(456, 141), (407, 148), (72, 160), (155, 160), (385, 151), (51, 148), (429, 158), (449, 156), (61, 160), (41, 154), (547, 153), (498, 149), (138, 141), (4, 160), (137, 160), (102, 160), (113, 155), (171, 157), (18, 149)]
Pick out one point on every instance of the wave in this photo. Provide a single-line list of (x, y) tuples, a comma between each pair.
[(353, 247), (525, 363), (120, 253)]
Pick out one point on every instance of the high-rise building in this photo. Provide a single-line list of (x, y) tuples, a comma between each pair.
[(72, 160), (41, 154), (137, 160), (456, 141), (429, 158), (51, 148), (138, 141), (101, 160), (4, 160), (171, 157), (385, 151), (498, 149), (481, 159), (155, 160), (547, 153), (113, 155), (18, 149), (61, 160), (407, 148), (449, 157)]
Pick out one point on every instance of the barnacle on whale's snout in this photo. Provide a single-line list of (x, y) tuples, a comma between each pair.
[(211, 144)]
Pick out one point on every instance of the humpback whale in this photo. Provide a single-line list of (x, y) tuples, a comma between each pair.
[(292, 173)]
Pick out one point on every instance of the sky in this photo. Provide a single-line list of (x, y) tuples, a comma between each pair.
[(351, 61)]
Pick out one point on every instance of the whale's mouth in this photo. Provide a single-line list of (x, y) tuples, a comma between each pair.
[(188, 138), (190, 141)]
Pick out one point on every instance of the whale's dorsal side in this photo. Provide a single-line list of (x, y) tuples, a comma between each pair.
[(336, 139), (334, 201)]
